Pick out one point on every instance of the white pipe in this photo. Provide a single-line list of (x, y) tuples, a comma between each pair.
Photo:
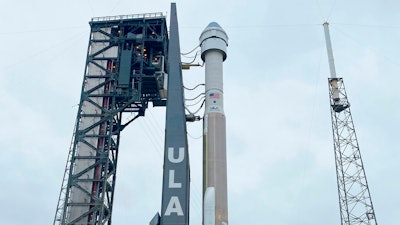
[(329, 50)]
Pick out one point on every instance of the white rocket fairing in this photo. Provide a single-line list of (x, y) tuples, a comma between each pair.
[(213, 42)]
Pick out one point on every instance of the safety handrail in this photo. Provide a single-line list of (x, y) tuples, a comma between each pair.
[(132, 16)]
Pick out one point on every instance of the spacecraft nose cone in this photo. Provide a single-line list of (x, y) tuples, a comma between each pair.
[(213, 24), (213, 30), (213, 37)]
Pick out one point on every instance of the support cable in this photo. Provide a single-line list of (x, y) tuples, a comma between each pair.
[(193, 113), (191, 89), (42, 30), (330, 11), (368, 25), (201, 99), (360, 44), (115, 6), (192, 99), (42, 51), (320, 10), (187, 53), (194, 58), (191, 57), (61, 198), (156, 128), (65, 42), (152, 139)]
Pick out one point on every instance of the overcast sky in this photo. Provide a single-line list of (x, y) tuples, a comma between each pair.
[(279, 141)]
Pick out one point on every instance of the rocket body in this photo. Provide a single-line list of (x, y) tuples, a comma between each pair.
[(213, 42)]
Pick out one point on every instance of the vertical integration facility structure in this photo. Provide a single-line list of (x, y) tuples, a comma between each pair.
[(126, 68)]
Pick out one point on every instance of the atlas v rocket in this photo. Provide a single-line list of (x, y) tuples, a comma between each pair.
[(213, 43)]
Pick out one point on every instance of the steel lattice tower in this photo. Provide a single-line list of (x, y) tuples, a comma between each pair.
[(354, 196)]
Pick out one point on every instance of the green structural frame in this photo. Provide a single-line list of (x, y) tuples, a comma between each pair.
[(126, 68)]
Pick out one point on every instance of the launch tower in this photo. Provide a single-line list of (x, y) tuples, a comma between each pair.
[(127, 65)]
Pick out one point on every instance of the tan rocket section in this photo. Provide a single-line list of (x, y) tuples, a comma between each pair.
[(214, 164)]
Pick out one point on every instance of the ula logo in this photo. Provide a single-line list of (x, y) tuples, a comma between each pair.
[(174, 204)]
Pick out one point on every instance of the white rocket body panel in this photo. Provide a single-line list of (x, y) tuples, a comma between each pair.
[(213, 42), (209, 206), (214, 83)]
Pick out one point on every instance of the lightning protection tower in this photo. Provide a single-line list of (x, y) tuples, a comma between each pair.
[(354, 196)]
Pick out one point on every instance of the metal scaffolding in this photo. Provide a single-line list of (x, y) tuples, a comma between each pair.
[(125, 70)]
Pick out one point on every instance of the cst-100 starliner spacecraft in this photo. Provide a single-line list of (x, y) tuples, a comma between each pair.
[(213, 42)]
